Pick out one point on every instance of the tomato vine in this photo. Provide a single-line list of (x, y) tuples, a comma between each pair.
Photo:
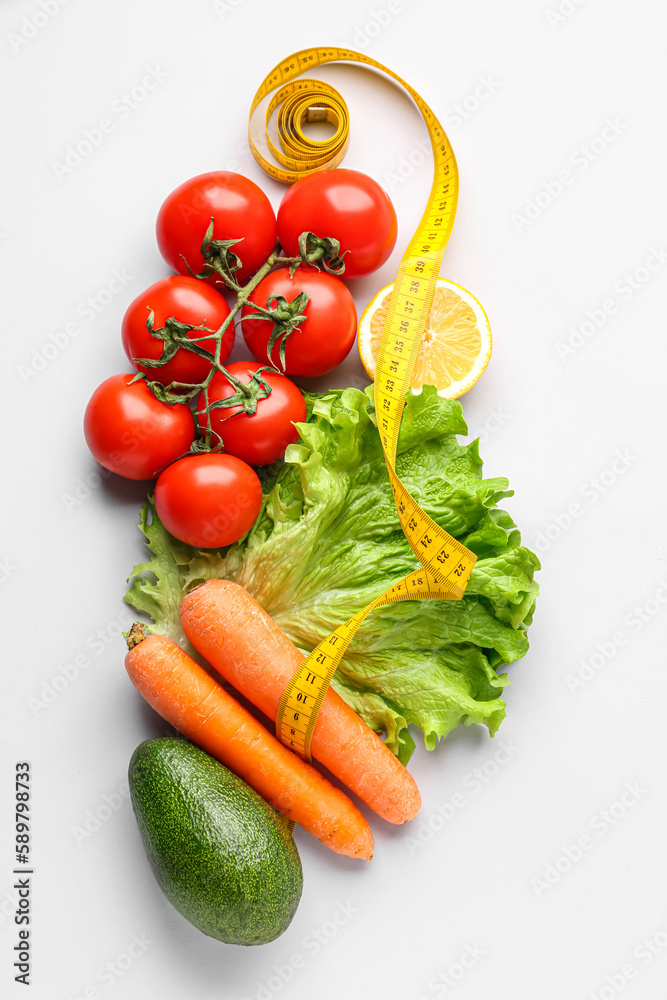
[(221, 260)]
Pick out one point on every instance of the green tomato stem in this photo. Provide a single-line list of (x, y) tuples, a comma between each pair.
[(186, 390)]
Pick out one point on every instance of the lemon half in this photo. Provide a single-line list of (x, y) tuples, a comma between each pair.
[(456, 343)]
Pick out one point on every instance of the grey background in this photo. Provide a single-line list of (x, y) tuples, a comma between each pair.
[(526, 92)]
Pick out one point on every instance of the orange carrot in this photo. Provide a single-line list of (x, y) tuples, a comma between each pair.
[(198, 707), (229, 628)]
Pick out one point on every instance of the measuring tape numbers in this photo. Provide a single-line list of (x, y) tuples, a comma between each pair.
[(446, 564)]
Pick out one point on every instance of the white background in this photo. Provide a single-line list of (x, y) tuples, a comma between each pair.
[(553, 419)]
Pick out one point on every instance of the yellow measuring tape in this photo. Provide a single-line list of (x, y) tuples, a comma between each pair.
[(446, 565)]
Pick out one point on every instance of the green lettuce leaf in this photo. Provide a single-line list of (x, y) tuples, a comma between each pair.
[(328, 540)]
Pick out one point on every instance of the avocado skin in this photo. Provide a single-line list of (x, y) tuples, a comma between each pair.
[(222, 856)]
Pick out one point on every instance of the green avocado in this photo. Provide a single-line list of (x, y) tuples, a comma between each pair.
[(222, 856)]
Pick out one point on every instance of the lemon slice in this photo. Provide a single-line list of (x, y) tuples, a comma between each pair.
[(456, 343)]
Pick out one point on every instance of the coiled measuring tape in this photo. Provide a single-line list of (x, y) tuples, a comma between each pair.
[(446, 564)]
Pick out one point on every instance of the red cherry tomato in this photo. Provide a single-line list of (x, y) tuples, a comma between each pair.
[(239, 209), (262, 437), (325, 337), (345, 204), (130, 432), (188, 300), (208, 500)]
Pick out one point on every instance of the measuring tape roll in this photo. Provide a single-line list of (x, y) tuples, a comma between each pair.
[(446, 564)]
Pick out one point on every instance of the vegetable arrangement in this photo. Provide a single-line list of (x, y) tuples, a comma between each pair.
[(328, 540), (227, 626), (221, 855), (219, 231), (272, 522), (185, 695)]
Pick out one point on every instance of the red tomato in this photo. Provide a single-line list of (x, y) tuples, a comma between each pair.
[(208, 500), (345, 204), (130, 432), (188, 300), (239, 209), (325, 337), (262, 437)]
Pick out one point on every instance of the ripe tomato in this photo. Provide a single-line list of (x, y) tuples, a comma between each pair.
[(130, 432), (188, 300), (208, 500), (239, 209), (345, 204), (324, 338), (262, 437)]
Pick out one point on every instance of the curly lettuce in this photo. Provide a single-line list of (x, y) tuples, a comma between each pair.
[(328, 540)]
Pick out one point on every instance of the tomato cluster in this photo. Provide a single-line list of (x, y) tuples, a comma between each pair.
[(298, 318)]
